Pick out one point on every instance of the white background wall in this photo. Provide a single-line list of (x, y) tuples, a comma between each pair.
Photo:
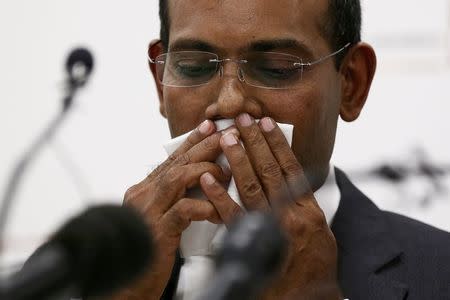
[(111, 139)]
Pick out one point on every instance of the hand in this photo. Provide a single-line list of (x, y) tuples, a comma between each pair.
[(269, 177), (160, 198)]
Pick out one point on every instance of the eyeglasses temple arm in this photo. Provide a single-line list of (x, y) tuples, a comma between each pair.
[(153, 61), (325, 57)]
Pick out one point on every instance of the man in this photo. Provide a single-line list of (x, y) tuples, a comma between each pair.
[(299, 62)]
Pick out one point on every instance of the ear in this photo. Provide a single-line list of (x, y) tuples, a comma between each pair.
[(357, 69), (156, 48)]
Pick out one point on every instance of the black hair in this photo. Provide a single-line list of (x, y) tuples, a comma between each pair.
[(343, 24), (165, 22)]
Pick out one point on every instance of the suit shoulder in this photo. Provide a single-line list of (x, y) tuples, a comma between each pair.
[(417, 234), (426, 251)]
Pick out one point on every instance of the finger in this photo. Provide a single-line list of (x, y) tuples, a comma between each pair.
[(232, 129), (194, 172), (291, 168), (216, 193), (173, 184), (179, 216), (206, 150), (263, 161), (249, 187), (205, 129)]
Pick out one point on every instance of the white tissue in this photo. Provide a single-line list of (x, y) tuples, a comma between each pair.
[(205, 238)]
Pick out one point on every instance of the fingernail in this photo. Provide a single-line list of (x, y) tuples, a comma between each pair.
[(231, 130), (229, 139), (245, 120), (267, 124), (205, 127), (208, 178)]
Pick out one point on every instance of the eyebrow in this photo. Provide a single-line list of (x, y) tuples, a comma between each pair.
[(279, 44), (191, 44), (255, 46)]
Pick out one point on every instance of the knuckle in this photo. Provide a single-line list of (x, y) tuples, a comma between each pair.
[(254, 137), (208, 144), (136, 191), (214, 169), (183, 159), (137, 196), (177, 209), (318, 219), (211, 144), (270, 170), (155, 170), (173, 176), (220, 193), (280, 142), (180, 214), (205, 166), (235, 211), (178, 221), (172, 157), (251, 189), (292, 168), (193, 138), (130, 194)]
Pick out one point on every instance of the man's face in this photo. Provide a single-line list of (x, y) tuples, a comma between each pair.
[(233, 28)]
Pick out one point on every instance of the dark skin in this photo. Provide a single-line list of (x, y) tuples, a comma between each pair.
[(270, 175)]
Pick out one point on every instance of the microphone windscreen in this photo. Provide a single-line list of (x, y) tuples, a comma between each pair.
[(79, 57), (108, 246), (255, 241)]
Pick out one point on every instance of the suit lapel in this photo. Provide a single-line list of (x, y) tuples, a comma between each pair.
[(366, 247)]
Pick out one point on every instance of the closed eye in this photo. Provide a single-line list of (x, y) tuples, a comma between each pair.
[(190, 68)]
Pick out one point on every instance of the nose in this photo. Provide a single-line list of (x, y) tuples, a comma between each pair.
[(232, 96)]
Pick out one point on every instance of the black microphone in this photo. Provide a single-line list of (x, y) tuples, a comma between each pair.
[(92, 255), (79, 66), (252, 253)]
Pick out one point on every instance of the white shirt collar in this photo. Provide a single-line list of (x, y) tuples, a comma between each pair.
[(328, 196)]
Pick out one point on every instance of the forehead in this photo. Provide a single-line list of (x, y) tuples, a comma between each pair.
[(231, 24)]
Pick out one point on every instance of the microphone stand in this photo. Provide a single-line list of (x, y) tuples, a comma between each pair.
[(252, 252), (79, 66)]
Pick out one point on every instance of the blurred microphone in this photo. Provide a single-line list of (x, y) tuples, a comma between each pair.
[(252, 252), (92, 255), (79, 66)]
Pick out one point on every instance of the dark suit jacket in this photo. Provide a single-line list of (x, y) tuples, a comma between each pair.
[(382, 255)]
